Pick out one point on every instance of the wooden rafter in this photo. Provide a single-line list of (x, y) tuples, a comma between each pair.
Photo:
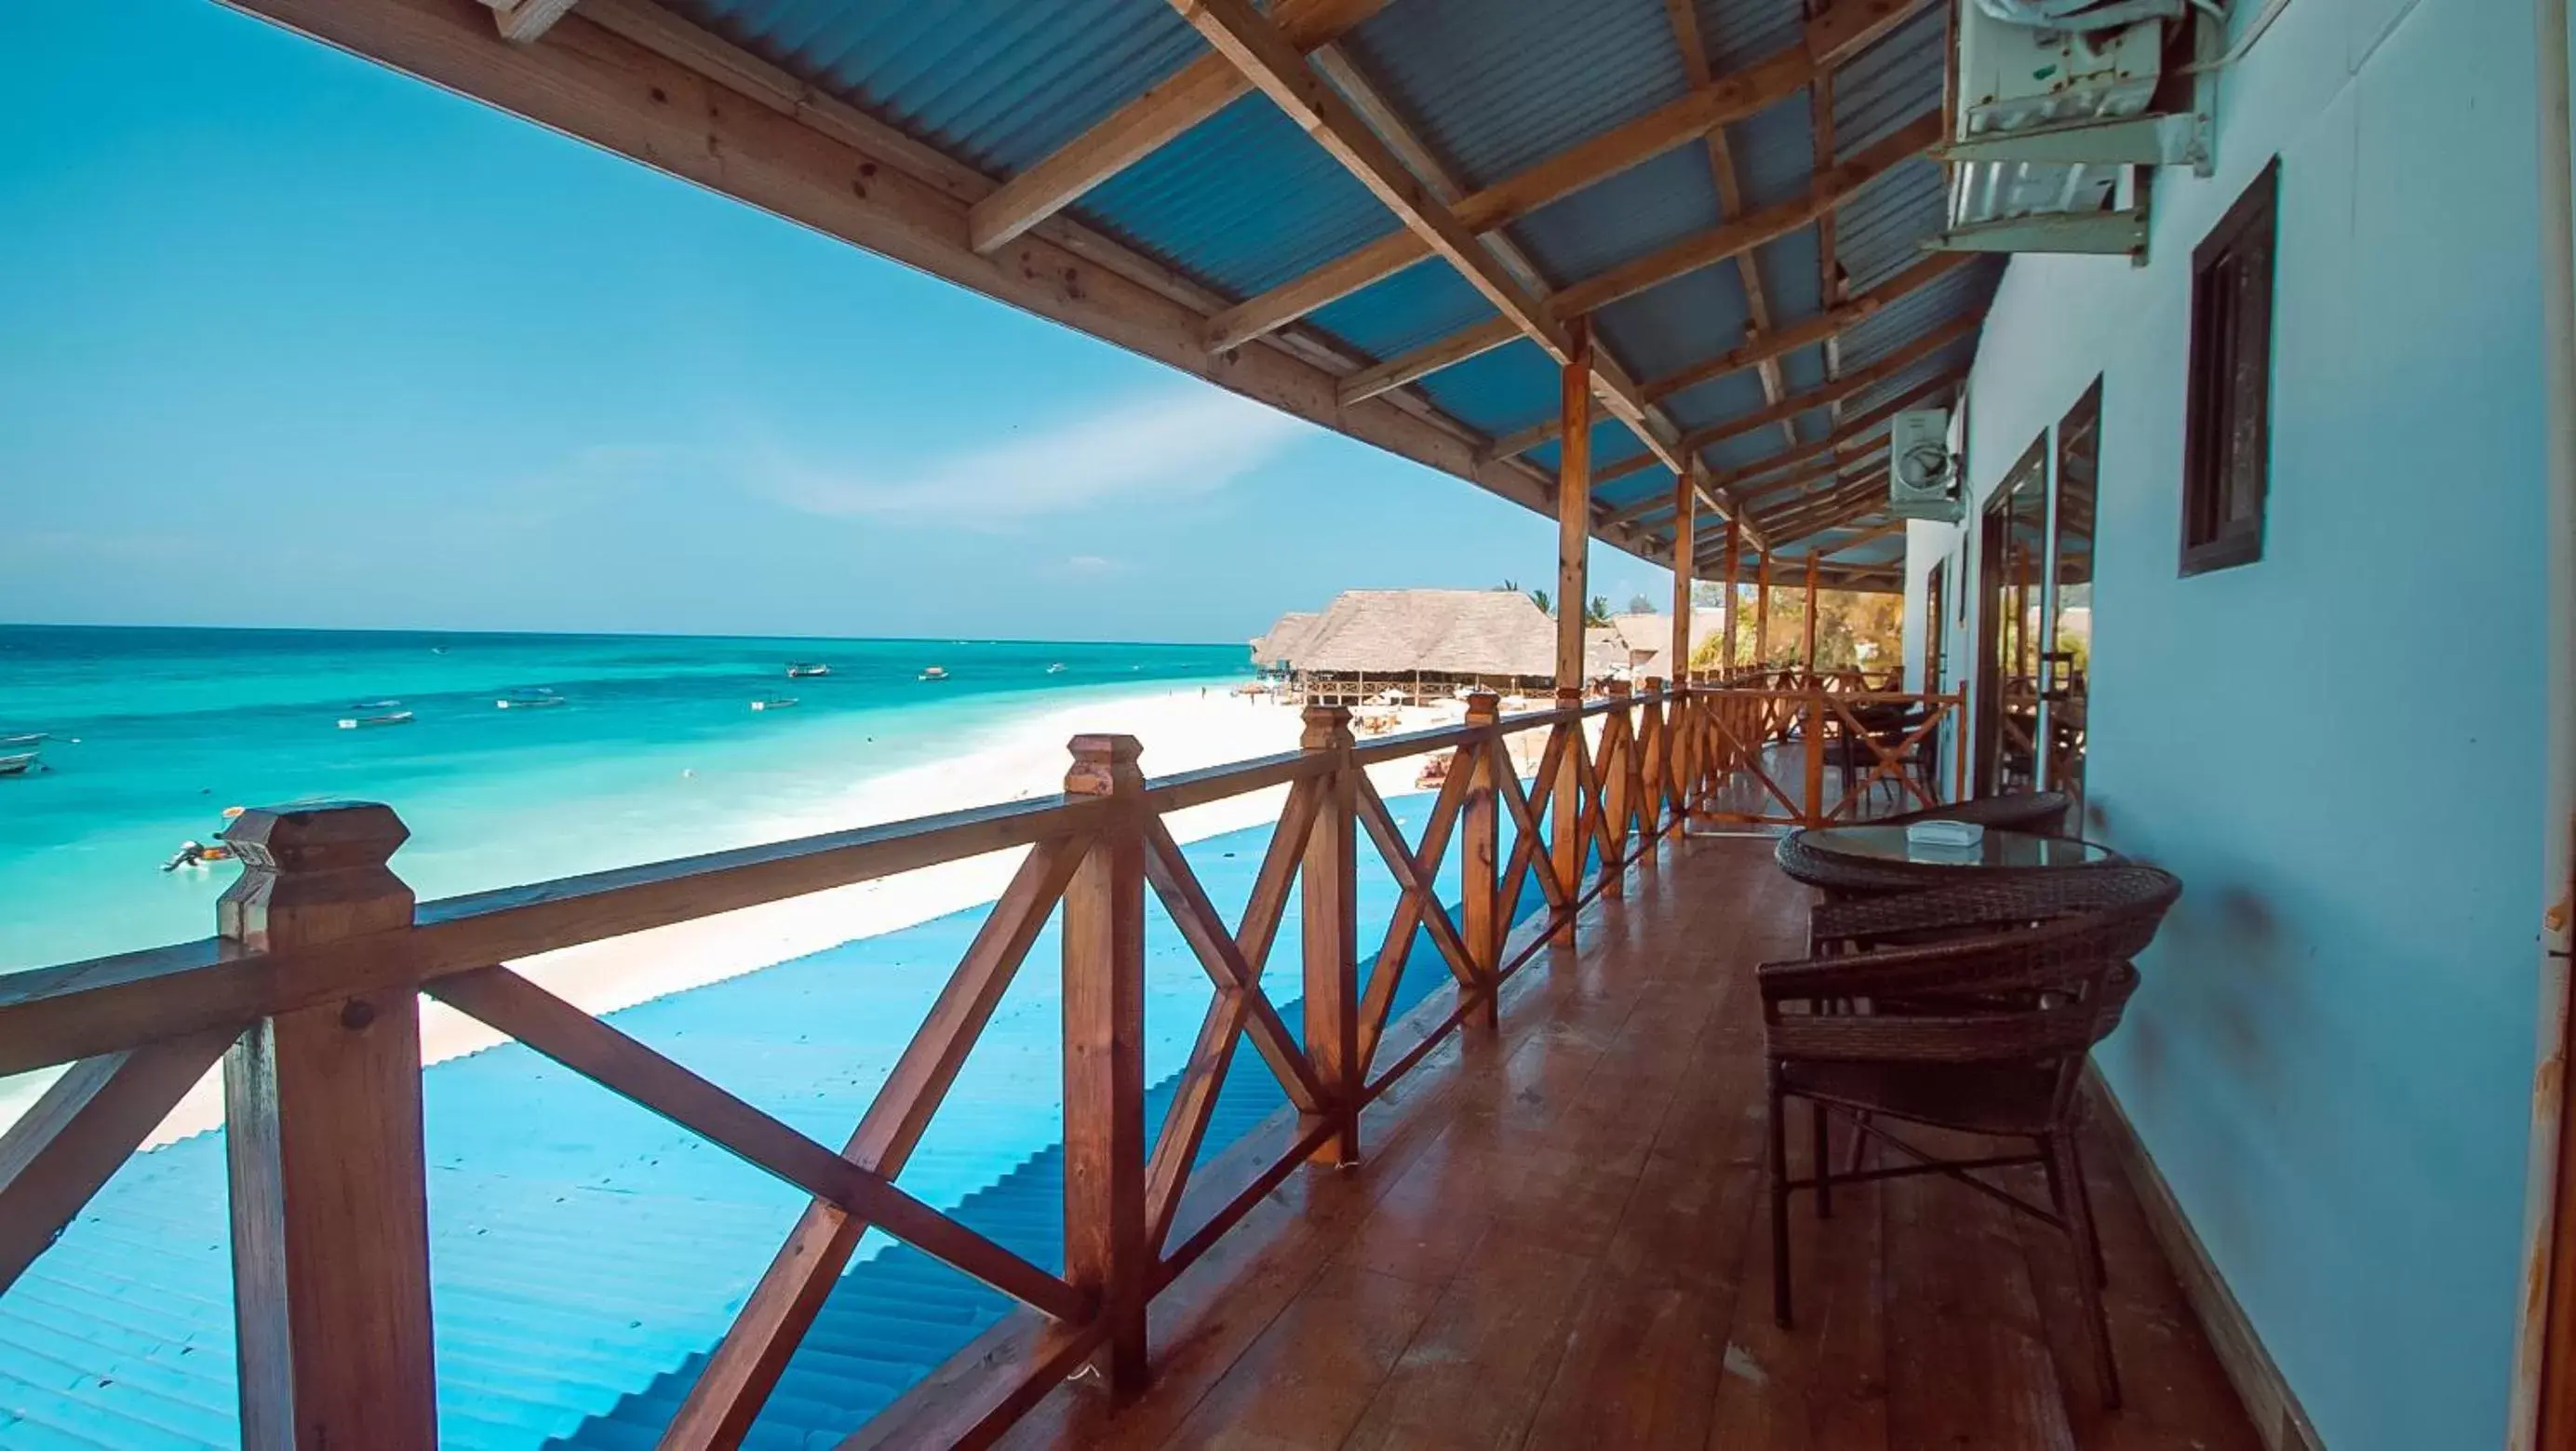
[(1279, 70), (1739, 95), (1144, 125), (1891, 366), (1718, 244), (1852, 432), (1683, 17), (1822, 328), (1831, 188)]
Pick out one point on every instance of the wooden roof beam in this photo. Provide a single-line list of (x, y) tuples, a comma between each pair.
[(1821, 328), (1891, 366), (1683, 17), (1866, 495), (1741, 94), (527, 21), (1830, 189), (1720, 243), (1280, 71), (1854, 431), (1144, 125)]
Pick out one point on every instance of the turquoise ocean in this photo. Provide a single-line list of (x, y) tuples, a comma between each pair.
[(655, 752)]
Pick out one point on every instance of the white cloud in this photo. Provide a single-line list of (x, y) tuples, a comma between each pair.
[(1162, 445), (1090, 564)]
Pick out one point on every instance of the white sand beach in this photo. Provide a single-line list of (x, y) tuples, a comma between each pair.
[(1180, 730)]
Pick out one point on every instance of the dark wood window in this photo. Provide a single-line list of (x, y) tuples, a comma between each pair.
[(2228, 432)]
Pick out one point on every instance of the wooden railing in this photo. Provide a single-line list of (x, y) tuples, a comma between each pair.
[(308, 997), (1747, 727)]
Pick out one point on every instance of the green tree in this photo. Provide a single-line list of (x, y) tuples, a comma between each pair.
[(1640, 605), (1598, 611), (1546, 603)]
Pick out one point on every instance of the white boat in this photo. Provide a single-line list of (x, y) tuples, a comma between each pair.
[(807, 670), (1057, 669), (17, 763), (25, 740), (773, 702), (935, 672), (370, 713), (529, 697)]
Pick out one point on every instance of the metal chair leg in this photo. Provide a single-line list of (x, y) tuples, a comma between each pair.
[(1779, 1206), (1822, 1128), (2084, 1194), (2079, 1222)]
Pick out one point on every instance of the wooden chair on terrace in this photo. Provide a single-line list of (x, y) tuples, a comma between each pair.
[(1984, 1033)]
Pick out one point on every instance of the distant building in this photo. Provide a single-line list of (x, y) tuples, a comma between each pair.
[(1417, 644)]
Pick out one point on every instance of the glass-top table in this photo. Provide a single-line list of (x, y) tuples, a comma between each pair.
[(2006, 850)]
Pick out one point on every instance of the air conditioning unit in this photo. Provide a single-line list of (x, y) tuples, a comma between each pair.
[(2022, 77), (1922, 473)]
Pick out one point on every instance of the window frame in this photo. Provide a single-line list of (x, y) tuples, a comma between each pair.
[(2214, 436)]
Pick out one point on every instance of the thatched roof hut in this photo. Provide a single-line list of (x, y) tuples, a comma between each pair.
[(1276, 648), (1480, 634)]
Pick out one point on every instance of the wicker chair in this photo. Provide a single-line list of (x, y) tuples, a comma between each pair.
[(2041, 812), (1985, 1033)]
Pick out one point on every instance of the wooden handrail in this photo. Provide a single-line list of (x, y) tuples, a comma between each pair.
[(310, 986)]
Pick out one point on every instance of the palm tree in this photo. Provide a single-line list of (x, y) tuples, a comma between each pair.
[(1597, 612), (1508, 587), (1546, 603)]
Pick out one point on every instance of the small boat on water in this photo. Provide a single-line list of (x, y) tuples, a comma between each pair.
[(370, 713), (807, 670), (18, 763), (935, 672), (773, 702), (1056, 669), (25, 740), (529, 697)]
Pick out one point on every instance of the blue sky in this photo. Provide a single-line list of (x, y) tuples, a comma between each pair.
[(287, 339)]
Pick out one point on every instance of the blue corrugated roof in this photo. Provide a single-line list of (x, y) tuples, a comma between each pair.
[(586, 1254)]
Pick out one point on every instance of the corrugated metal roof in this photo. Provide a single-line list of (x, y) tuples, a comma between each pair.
[(1243, 202), (994, 83), (1496, 86), (1891, 83), (1740, 32), (586, 1254), (1246, 201)]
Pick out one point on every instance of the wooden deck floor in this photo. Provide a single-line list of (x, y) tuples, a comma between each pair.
[(1556, 1240)]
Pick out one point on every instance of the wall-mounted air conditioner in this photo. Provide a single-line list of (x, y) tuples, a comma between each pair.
[(1922, 473), (2056, 108)]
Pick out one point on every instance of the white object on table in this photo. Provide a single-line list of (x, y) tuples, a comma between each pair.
[(1955, 835)]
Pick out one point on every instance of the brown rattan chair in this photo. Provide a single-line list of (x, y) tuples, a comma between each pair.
[(2042, 813), (1985, 1033)]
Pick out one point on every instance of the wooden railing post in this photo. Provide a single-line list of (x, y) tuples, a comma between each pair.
[(1105, 1247), (330, 1215), (1812, 799), (1485, 916), (1614, 772), (1328, 924), (1565, 843), (1654, 768)]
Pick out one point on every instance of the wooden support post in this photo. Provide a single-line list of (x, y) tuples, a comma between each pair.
[(1812, 802), (1483, 913), (1685, 570), (1811, 615), (1573, 503), (1734, 565), (1328, 917), (1762, 614), (1105, 1246), (1573, 543), (330, 1211)]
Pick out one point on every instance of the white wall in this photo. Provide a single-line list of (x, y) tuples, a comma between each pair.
[(2337, 748)]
